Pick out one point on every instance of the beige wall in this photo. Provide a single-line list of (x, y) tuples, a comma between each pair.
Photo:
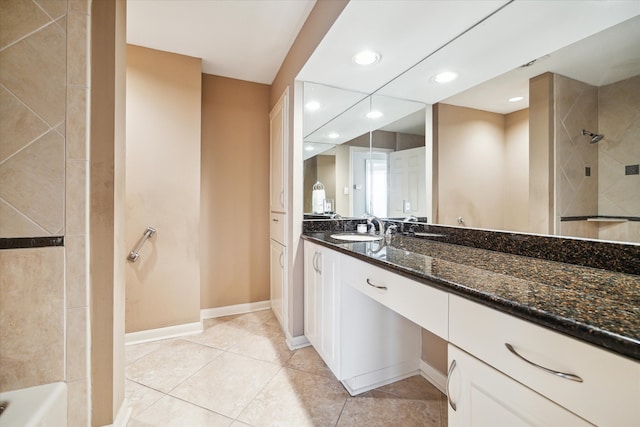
[(322, 16), (163, 188), (43, 186), (235, 192), (471, 167)]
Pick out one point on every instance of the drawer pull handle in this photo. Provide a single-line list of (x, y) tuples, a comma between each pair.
[(551, 371), (446, 386), (275, 220), (384, 288)]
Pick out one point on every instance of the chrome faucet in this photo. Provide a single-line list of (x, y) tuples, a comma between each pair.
[(371, 219), (409, 218)]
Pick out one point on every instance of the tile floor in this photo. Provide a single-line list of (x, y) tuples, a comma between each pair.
[(240, 372)]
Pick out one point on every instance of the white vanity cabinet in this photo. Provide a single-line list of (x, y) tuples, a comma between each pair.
[(364, 343), (482, 396), (596, 385)]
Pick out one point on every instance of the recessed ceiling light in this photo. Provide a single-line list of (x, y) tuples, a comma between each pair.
[(308, 148), (516, 98), (333, 135), (445, 77), (374, 114), (312, 106), (366, 57)]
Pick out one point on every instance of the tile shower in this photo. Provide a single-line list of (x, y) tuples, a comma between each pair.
[(603, 189), (44, 87)]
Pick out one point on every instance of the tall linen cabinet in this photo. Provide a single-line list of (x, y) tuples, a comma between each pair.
[(279, 128)]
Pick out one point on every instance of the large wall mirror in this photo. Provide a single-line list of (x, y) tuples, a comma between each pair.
[(536, 134)]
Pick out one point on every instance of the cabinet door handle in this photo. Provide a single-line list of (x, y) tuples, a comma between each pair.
[(384, 288), (551, 371), (319, 268), (315, 266), (281, 259), (446, 386)]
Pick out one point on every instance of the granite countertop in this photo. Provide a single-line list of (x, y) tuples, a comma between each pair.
[(598, 306)]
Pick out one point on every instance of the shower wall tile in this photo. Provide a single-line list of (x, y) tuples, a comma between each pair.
[(576, 109), (76, 209), (19, 18), (619, 121), (77, 123), (54, 8), (78, 403), (33, 182), (76, 270), (34, 69), (77, 344), (19, 126), (77, 49), (32, 305), (16, 224), (80, 6)]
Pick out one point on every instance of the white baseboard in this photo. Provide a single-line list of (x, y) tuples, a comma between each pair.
[(230, 310), (163, 333), (123, 415), (434, 376), (295, 343), (369, 381)]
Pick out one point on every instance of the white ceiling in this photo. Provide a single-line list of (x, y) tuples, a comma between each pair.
[(241, 39)]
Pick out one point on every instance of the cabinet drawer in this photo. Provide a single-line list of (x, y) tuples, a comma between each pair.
[(610, 387), (419, 303), (277, 227)]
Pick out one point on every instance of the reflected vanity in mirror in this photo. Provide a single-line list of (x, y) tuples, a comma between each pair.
[(549, 147)]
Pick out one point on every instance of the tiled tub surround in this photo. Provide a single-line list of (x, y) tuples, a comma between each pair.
[(596, 305)]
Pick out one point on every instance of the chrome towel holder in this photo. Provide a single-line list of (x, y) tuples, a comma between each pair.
[(135, 254)]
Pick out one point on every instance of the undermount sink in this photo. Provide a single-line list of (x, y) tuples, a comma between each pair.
[(357, 237)]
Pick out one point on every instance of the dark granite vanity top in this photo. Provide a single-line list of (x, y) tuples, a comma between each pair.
[(595, 305)]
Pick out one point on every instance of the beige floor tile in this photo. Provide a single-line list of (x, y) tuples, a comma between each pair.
[(227, 385), (220, 334), (307, 359), (140, 397), (416, 388), (169, 365), (389, 412), (272, 349), (136, 351), (444, 411), (170, 412), (240, 424), (295, 398)]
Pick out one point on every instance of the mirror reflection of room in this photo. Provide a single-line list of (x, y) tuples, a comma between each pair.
[(550, 147)]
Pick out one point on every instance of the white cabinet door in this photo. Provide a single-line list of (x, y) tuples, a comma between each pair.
[(483, 396), (278, 259), (322, 302), (278, 119), (311, 290)]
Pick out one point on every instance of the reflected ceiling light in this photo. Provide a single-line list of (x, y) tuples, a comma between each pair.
[(516, 98), (309, 148), (374, 114), (366, 57), (312, 106), (333, 135), (445, 77)]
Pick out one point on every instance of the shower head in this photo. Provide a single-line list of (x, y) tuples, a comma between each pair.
[(595, 137)]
